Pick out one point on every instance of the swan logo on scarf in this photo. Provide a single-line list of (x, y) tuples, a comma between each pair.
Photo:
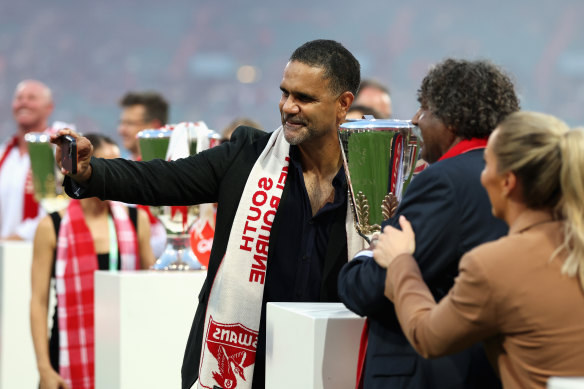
[(234, 348)]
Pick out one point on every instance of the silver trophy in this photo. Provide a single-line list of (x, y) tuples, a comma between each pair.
[(177, 220), (379, 157), (47, 178)]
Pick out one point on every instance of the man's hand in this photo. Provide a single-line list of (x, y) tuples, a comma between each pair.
[(393, 242), (84, 153)]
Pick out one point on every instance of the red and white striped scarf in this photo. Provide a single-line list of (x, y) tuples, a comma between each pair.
[(30, 205), (75, 264), (232, 320)]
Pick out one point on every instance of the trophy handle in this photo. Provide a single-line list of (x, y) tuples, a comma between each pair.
[(389, 205), (360, 210)]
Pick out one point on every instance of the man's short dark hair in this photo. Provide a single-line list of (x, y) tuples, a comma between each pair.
[(340, 66), (155, 106), (471, 97), (97, 140)]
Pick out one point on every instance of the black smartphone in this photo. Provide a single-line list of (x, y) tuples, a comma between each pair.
[(69, 153)]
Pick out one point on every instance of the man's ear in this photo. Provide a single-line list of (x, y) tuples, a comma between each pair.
[(155, 123), (452, 136), (51, 107), (345, 100)]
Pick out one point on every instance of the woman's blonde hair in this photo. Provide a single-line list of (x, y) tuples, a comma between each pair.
[(548, 159)]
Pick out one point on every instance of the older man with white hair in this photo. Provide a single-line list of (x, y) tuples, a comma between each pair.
[(19, 212)]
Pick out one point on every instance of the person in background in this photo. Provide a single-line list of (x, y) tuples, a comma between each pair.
[(142, 111), (69, 246), (522, 294), (374, 95), (358, 111), (242, 121), (461, 102), (293, 177), (32, 106)]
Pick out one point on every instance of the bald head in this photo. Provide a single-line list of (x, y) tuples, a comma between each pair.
[(32, 106)]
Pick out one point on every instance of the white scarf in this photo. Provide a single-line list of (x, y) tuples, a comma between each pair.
[(233, 314)]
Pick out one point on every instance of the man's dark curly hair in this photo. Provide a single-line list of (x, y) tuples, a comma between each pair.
[(340, 66), (471, 97)]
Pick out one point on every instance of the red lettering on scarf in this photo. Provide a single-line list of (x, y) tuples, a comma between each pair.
[(246, 239), (248, 228), (265, 237), (255, 196), (283, 176), (262, 246), (257, 275), (257, 216), (265, 183), (258, 268), (272, 213), (274, 202), (260, 262)]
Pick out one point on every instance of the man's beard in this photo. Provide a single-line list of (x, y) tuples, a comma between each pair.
[(297, 135), (296, 138)]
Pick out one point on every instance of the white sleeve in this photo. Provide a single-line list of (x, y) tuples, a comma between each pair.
[(27, 228)]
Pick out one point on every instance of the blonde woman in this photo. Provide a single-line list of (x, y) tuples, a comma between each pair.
[(524, 293)]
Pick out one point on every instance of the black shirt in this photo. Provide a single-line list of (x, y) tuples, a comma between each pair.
[(295, 268)]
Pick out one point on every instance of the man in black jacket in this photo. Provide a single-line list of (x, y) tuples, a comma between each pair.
[(303, 220), (461, 102)]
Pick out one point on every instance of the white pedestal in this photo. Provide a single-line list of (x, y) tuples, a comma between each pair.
[(311, 345), (17, 360), (566, 383), (142, 322)]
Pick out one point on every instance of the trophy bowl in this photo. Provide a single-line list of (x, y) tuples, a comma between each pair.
[(47, 179), (379, 157), (177, 253), (154, 143), (171, 142)]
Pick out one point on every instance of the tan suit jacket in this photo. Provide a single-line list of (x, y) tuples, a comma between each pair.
[(509, 293)]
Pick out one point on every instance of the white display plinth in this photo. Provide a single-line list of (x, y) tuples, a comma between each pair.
[(311, 345), (566, 383), (17, 360), (142, 322)]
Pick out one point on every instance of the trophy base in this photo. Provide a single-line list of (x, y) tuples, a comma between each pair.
[(177, 255)]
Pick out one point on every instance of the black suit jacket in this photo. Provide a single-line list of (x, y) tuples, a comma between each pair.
[(450, 214), (215, 175)]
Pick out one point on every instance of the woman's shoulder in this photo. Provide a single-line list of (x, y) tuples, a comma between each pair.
[(514, 252), (493, 251)]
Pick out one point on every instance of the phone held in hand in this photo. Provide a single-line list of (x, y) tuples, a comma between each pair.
[(69, 153)]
